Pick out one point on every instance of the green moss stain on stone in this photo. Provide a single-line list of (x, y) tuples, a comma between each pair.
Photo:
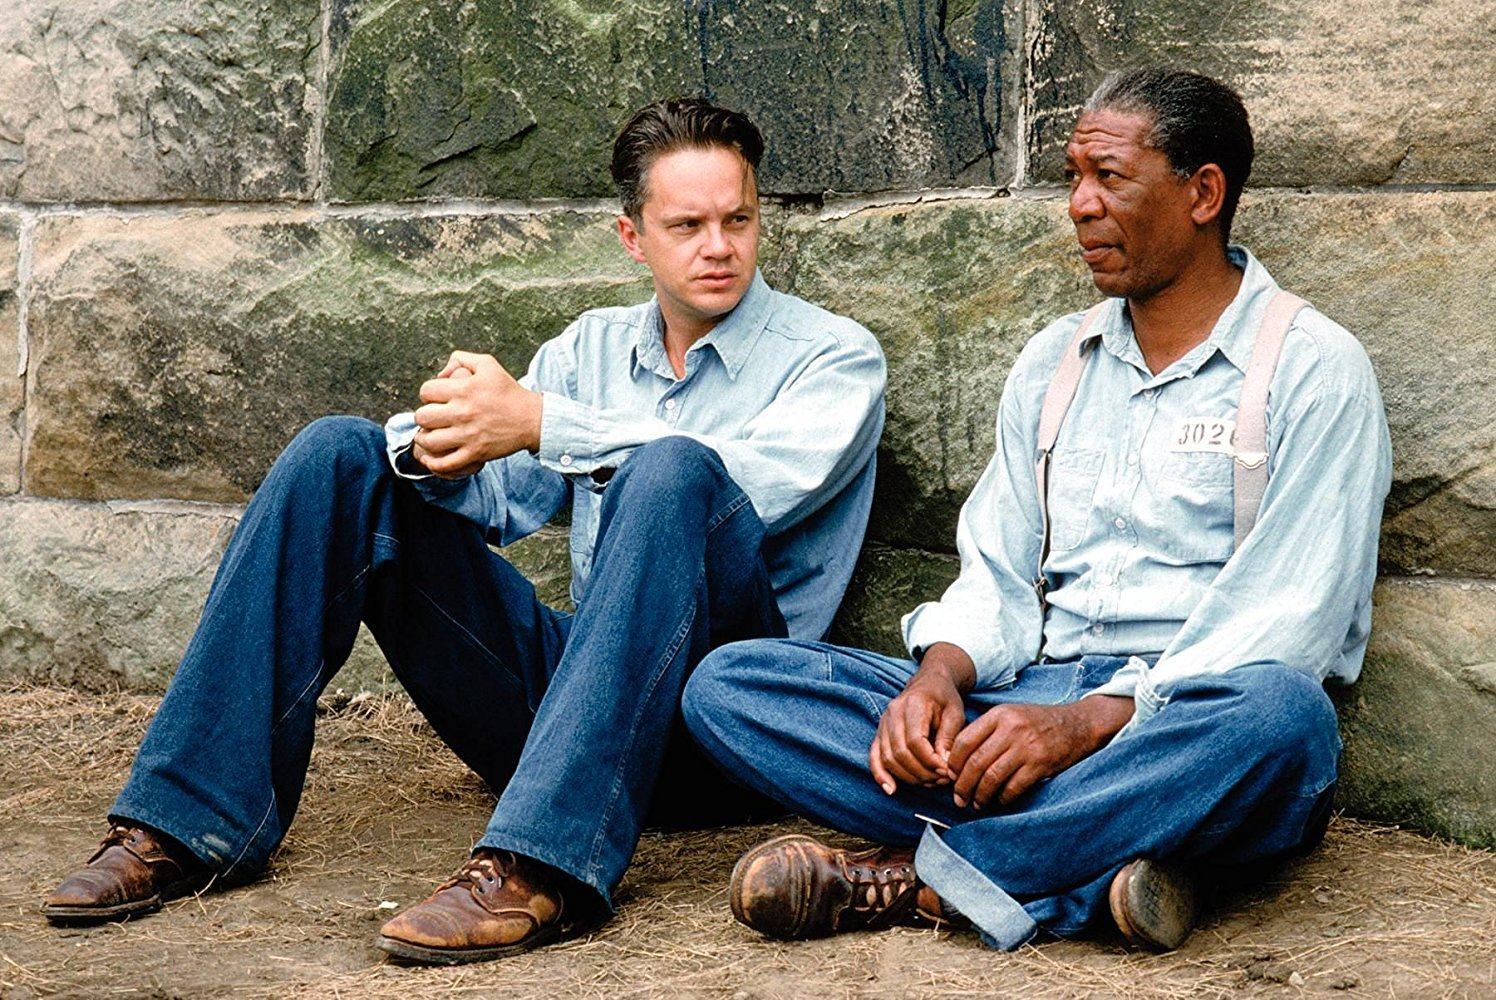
[(522, 100)]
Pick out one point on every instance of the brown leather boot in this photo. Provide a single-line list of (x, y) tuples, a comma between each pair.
[(1153, 904), (795, 887), (134, 871), (497, 904)]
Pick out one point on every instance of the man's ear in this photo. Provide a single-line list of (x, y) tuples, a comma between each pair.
[(1208, 188), (628, 235)]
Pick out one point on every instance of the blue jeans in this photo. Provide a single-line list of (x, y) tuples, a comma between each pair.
[(1236, 769), (572, 718)]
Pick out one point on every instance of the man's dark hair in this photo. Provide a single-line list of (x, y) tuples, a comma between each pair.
[(672, 124), (1196, 120)]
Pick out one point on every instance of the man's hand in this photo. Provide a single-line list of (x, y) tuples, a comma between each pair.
[(474, 412), (1011, 748), (917, 728)]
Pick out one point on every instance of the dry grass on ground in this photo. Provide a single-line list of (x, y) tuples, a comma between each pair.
[(1375, 912)]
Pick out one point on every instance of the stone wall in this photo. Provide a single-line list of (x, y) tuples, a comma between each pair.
[(221, 219)]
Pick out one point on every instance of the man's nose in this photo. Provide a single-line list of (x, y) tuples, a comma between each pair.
[(1085, 202), (717, 244)]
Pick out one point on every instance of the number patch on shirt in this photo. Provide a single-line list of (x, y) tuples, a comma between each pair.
[(1203, 434)]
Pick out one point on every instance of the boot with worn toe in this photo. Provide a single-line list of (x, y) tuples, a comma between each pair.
[(796, 887), (1153, 903), (133, 872), (497, 904)]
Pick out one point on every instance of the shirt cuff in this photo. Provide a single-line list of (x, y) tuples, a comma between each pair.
[(399, 435), (936, 622), (1133, 681), (567, 435)]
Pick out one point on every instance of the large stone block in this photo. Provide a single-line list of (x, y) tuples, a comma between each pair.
[(1418, 725), (12, 386), (1340, 91), (110, 100), (175, 356), (106, 596), (954, 289), (522, 99), (886, 585)]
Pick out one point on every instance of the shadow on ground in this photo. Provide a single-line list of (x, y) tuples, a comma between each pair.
[(1375, 912)]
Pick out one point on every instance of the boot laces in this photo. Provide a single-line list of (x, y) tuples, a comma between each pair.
[(484, 870), (876, 888)]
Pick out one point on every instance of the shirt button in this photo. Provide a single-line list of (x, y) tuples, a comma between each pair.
[(1132, 458), (669, 404), (1149, 393), (1120, 523), (565, 459), (1098, 628)]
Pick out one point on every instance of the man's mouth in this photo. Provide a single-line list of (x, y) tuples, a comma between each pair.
[(1093, 251), (717, 279)]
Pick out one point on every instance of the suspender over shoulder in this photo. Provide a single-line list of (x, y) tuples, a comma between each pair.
[(1249, 443)]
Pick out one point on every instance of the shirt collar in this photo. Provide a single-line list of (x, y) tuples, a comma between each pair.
[(732, 338), (1234, 332)]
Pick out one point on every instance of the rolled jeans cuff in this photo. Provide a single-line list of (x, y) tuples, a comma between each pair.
[(1001, 920)]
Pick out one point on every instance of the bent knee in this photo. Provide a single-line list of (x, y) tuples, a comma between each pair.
[(1284, 712), (740, 680), (336, 440), (671, 464)]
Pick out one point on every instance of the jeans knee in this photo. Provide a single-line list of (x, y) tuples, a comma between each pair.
[(673, 466), (336, 443), (1286, 714)]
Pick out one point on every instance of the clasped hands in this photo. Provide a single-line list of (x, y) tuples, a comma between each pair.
[(924, 739), (473, 412)]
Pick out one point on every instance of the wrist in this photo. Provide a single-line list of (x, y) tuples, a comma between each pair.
[(535, 413), (1102, 716), (948, 664)]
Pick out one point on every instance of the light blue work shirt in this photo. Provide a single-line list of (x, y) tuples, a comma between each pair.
[(790, 396), (1141, 561)]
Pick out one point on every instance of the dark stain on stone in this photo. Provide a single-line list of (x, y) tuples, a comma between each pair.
[(944, 69)]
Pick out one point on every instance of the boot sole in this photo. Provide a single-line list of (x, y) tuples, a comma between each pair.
[(76, 915), (426, 955), (1153, 905)]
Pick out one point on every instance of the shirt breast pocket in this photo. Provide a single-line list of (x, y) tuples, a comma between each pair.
[(1198, 506), (1073, 475)]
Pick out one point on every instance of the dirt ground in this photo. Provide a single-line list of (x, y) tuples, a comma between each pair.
[(1376, 911)]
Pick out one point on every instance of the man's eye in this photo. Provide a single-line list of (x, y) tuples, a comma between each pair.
[(1071, 177), (1105, 174)]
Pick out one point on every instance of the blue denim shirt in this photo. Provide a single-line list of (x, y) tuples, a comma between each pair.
[(789, 395), (1141, 561)]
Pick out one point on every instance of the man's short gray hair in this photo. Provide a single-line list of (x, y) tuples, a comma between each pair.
[(1196, 120)]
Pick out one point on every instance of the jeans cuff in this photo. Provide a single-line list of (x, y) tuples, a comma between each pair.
[(501, 840), (1003, 923)]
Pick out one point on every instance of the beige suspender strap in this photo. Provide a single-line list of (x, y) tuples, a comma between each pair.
[(1057, 400), (1249, 443)]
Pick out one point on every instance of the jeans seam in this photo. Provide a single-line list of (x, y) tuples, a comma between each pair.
[(335, 598), (728, 511), (252, 837), (461, 628), (299, 698), (607, 811)]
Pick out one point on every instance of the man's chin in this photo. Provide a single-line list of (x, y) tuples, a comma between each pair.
[(1111, 284)]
